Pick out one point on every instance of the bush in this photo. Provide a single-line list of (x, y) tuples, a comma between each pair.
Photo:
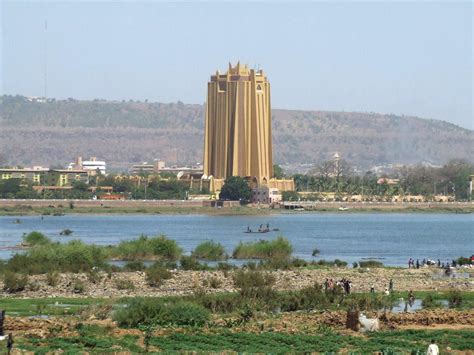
[(279, 248), (157, 274), (310, 297), (52, 278), (78, 286), (254, 284), (209, 250), (36, 238), (94, 276), (185, 314), (454, 298), (153, 311), (429, 302), (212, 282), (218, 302), (74, 256), (134, 266), (144, 247), (13, 282), (336, 262), (190, 263), (370, 263), (124, 284), (463, 261)]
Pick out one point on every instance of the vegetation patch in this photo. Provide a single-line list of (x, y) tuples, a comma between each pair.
[(209, 250), (279, 248), (154, 311), (145, 248)]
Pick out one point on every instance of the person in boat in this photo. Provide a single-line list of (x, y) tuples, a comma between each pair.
[(249, 230), (268, 226)]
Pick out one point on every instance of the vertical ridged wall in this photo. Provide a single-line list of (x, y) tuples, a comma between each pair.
[(238, 125)]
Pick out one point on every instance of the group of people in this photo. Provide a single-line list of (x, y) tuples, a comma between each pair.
[(346, 285), (412, 264), (388, 290)]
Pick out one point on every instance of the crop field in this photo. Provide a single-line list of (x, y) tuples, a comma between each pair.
[(96, 340)]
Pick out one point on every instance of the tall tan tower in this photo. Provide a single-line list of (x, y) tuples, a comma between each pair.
[(238, 132)]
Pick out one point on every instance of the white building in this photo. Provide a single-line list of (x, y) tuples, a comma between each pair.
[(92, 166)]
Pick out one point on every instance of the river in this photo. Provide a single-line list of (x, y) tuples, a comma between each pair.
[(389, 238)]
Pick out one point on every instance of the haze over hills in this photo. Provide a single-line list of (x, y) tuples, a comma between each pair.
[(122, 133)]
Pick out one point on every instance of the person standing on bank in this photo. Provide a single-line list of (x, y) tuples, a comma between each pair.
[(432, 348)]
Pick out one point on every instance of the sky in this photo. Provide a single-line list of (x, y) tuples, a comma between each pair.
[(410, 58)]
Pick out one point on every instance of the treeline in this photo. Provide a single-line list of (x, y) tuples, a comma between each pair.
[(340, 177), (156, 188)]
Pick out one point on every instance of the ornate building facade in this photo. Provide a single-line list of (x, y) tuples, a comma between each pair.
[(238, 132)]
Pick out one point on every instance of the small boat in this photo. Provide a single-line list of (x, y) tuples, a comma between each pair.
[(343, 208)]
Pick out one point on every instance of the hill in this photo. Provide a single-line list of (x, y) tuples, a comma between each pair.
[(122, 133)]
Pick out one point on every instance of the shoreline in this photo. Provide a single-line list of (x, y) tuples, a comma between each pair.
[(60, 207), (187, 282)]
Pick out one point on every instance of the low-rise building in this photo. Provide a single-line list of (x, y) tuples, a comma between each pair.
[(37, 174), (65, 177), (148, 168)]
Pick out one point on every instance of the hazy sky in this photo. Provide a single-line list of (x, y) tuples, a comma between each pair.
[(412, 58)]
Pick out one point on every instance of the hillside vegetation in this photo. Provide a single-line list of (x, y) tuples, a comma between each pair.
[(122, 133)]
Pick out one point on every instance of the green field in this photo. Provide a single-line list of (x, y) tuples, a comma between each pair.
[(96, 340)]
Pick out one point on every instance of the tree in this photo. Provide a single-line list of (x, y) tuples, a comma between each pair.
[(235, 188), (278, 172)]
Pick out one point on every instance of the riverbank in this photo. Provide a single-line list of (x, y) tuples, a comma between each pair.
[(60, 207), (183, 282)]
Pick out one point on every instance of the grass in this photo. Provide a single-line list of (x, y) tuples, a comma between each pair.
[(28, 307), (279, 248), (147, 248), (209, 250)]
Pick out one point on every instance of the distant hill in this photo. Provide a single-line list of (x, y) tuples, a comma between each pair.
[(122, 133)]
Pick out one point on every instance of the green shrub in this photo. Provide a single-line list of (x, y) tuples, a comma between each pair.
[(122, 284), (148, 248), (157, 274), (212, 282), (94, 276), (370, 263), (35, 238), (154, 311), (52, 278), (185, 314), (429, 302), (134, 266), (74, 256), (13, 282), (454, 298), (279, 248), (463, 261), (254, 284), (209, 250), (218, 302), (190, 263), (336, 262)]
